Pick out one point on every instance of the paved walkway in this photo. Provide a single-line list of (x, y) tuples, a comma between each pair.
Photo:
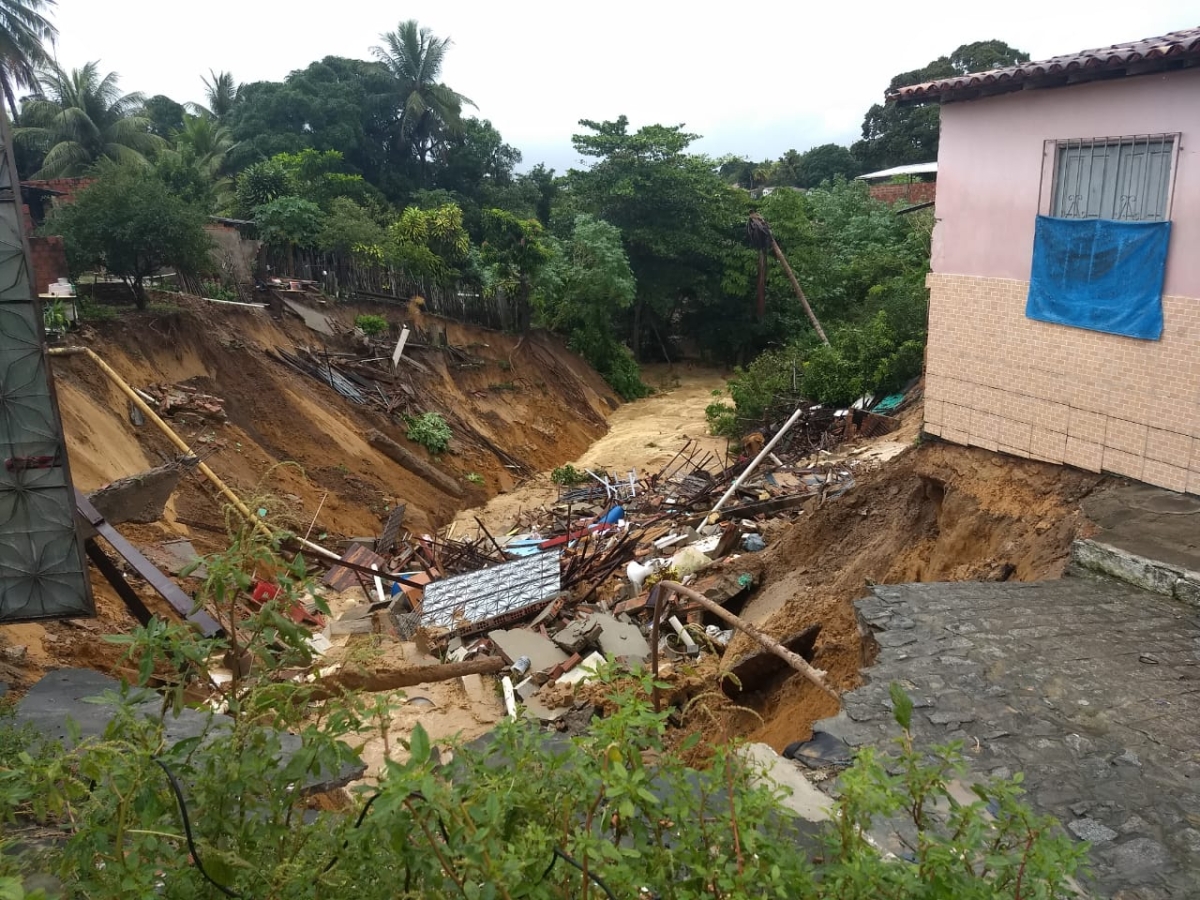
[(1088, 686)]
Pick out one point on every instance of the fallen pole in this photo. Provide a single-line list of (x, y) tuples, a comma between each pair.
[(797, 662), (394, 679), (737, 482), (182, 445)]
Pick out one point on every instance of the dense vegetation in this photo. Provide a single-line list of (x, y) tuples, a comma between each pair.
[(641, 254)]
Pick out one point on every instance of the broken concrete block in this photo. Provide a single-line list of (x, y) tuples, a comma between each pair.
[(352, 626), (139, 498), (520, 642), (584, 671), (580, 635), (476, 691), (620, 639)]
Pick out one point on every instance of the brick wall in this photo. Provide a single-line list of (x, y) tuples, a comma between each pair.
[(49, 261), (917, 192), (1101, 402), (67, 187)]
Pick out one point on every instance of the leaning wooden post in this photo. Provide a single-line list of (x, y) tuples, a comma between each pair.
[(812, 316), (797, 662)]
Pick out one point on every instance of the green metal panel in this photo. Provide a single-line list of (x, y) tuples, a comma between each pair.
[(42, 569)]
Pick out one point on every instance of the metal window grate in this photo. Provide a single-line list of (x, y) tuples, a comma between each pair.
[(1129, 178)]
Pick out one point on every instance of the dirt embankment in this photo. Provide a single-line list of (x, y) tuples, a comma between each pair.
[(938, 513), (299, 442)]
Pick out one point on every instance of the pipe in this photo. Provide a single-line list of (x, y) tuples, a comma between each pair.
[(182, 445), (737, 482)]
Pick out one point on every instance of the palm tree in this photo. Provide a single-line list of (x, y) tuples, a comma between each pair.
[(23, 31), (428, 110), (80, 118), (221, 93), (204, 143)]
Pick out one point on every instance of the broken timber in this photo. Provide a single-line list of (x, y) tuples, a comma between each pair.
[(390, 680), (169, 590), (414, 463)]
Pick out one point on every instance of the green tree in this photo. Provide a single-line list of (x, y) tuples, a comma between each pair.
[(429, 243), (261, 183), (202, 145), (899, 135), (676, 216), (81, 118), (220, 95), (335, 104), (427, 110), (348, 228), (24, 30), (289, 222), (165, 115), (129, 223), (512, 254), (824, 163), (587, 284)]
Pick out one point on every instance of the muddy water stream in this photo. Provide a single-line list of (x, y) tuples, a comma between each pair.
[(642, 435)]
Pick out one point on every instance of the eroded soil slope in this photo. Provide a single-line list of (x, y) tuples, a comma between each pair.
[(295, 443), (938, 513)]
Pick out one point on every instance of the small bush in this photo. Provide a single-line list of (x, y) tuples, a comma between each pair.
[(430, 431), (214, 290), (371, 325), (474, 478), (568, 475), (721, 417)]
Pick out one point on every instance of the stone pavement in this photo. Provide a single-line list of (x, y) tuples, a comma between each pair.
[(1088, 686)]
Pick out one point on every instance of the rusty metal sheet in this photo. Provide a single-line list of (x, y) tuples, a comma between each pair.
[(341, 578)]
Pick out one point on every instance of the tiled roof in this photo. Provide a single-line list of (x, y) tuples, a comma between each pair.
[(1175, 50)]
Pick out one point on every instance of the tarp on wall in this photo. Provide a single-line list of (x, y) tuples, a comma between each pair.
[(1099, 274)]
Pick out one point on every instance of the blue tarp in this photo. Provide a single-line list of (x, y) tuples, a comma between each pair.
[(1099, 274)]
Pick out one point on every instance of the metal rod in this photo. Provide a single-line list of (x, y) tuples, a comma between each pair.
[(737, 482)]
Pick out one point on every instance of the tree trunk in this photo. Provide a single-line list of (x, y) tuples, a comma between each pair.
[(636, 339), (812, 317), (393, 679), (139, 292)]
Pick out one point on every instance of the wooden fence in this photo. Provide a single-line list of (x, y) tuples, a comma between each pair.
[(339, 276)]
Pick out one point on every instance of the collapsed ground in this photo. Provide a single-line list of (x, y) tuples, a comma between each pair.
[(936, 512)]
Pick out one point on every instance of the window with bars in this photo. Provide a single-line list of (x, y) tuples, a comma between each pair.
[(1128, 179)]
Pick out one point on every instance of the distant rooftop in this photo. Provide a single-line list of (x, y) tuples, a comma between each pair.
[(1177, 50), (929, 168)]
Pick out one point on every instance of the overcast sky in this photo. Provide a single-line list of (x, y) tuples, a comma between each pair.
[(790, 74)]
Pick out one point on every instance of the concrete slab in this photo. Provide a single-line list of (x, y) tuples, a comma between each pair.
[(1147, 521), (519, 642), (621, 639), (802, 796), (1088, 686)]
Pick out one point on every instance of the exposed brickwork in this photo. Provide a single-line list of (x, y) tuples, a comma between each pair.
[(1065, 395), (49, 261), (917, 192), (67, 187)]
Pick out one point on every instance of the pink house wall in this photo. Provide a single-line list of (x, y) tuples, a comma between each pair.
[(999, 380), (990, 164)]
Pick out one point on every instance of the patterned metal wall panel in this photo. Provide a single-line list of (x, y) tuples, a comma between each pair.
[(42, 569)]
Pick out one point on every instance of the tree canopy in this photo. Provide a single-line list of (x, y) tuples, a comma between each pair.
[(24, 31), (80, 118), (899, 135), (129, 223)]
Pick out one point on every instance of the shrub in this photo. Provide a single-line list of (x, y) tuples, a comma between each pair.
[(568, 475), (371, 325), (721, 418), (474, 478), (430, 431)]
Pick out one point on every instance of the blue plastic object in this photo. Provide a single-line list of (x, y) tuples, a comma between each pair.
[(1099, 274)]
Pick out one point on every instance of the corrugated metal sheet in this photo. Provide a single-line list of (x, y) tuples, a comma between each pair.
[(1149, 54), (491, 592)]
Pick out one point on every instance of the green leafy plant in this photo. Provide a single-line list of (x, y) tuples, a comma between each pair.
[(429, 430), (371, 325), (54, 317), (567, 475), (215, 290), (474, 478)]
